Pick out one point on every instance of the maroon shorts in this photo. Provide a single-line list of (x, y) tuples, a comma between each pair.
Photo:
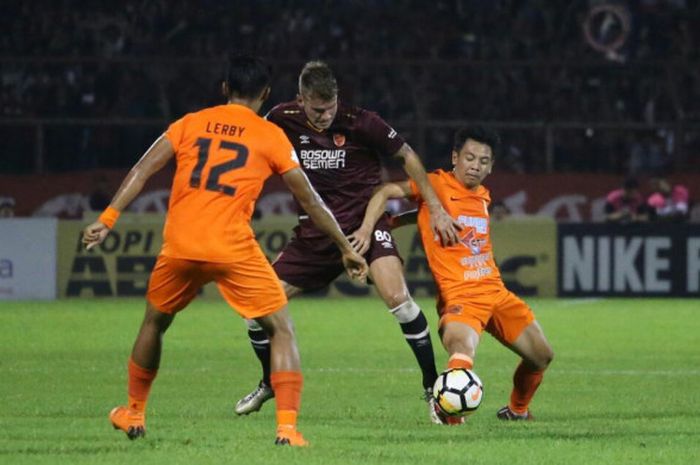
[(313, 263)]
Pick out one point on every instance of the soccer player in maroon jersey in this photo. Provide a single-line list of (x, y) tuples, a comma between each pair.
[(340, 148)]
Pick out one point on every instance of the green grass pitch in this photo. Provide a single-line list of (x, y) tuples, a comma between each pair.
[(624, 388)]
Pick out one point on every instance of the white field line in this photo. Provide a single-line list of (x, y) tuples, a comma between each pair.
[(575, 302), (553, 371)]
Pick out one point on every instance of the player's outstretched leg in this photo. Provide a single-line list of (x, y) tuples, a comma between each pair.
[(460, 340), (537, 354), (142, 369), (526, 380), (253, 401)]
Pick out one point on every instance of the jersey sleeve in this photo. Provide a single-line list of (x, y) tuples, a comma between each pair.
[(273, 115), (379, 135), (281, 153), (415, 191), (175, 132)]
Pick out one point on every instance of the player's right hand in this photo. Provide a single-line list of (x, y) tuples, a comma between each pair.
[(94, 234), (355, 265), (445, 227), (360, 240)]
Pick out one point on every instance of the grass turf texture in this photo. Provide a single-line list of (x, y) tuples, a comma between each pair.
[(624, 388)]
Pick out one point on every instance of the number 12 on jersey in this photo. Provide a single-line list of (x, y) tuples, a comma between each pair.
[(212, 183)]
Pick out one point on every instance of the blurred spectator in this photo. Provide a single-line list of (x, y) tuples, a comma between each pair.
[(646, 155), (7, 207), (667, 202), (626, 205), (499, 211), (513, 61)]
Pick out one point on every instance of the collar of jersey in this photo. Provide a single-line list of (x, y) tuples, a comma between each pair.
[(459, 191), (314, 128)]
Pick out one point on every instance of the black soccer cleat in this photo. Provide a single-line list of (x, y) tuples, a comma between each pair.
[(506, 414)]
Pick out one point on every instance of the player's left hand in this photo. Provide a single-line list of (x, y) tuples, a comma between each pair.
[(94, 234), (360, 240), (445, 227)]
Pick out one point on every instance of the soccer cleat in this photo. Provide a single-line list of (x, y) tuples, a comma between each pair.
[(253, 401), (133, 423), (505, 413), (432, 410), (287, 435)]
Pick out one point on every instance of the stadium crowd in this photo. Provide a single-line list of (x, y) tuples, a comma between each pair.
[(147, 62)]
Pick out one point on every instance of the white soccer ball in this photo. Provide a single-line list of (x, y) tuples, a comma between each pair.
[(458, 392)]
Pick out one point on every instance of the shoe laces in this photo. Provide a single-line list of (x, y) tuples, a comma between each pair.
[(261, 387)]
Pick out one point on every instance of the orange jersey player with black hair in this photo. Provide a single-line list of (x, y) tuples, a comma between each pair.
[(471, 295), (223, 156)]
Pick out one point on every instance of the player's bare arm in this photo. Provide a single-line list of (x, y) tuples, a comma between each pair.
[(155, 158), (362, 238), (441, 223), (312, 203), (403, 219)]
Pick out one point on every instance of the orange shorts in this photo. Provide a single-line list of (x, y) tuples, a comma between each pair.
[(501, 313), (250, 286)]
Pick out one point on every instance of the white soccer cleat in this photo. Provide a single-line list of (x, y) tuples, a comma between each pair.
[(255, 400), (432, 408)]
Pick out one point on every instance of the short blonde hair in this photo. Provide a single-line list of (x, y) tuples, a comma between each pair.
[(317, 79)]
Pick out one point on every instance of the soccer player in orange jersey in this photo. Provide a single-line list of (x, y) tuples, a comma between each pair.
[(223, 156), (471, 294)]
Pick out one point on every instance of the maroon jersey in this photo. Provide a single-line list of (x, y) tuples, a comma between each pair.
[(342, 162)]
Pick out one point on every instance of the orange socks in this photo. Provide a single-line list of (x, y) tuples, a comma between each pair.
[(458, 360), (287, 386), (140, 380), (525, 383)]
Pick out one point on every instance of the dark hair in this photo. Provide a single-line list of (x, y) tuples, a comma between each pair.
[(478, 134), (317, 79), (247, 75), (631, 183)]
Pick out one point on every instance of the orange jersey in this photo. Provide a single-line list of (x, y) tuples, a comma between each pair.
[(467, 268), (224, 154)]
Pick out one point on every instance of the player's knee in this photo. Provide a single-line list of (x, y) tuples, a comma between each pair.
[(157, 320), (458, 345), (395, 299), (253, 325), (547, 356), (281, 328), (543, 358), (405, 312)]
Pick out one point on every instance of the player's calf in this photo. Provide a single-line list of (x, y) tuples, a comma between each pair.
[(414, 327)]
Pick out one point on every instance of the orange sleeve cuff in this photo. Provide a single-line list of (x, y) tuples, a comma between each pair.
[(109, 217)]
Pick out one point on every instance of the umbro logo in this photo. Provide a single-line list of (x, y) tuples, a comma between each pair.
[(304, 139)]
